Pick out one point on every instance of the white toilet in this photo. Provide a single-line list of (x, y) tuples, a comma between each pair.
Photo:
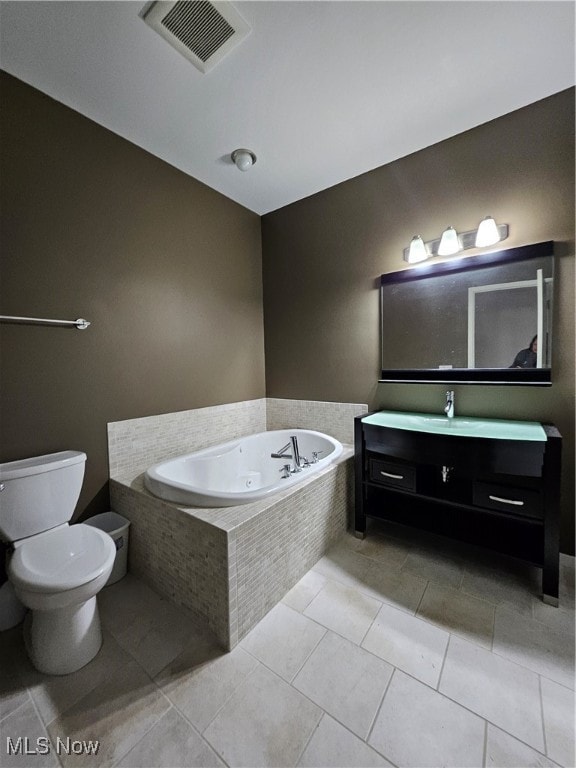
[(56, 568)]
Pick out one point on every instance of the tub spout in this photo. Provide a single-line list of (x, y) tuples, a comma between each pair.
[(295, 454)]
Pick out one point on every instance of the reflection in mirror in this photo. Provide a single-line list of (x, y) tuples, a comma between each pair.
[(480, 319)]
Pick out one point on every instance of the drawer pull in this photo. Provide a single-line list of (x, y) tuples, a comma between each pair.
[(516, 502), (394, 477)]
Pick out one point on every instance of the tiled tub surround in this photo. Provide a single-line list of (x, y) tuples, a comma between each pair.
[(136, 444), (229, 566)]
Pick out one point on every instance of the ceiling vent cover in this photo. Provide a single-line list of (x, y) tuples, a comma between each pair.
[(202, 31)]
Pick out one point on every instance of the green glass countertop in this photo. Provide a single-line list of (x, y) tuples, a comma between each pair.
[(459, 426)]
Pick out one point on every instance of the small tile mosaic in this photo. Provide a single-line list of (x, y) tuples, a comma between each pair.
[(229, 566), (181, 557), (136, 444), (336, 419)]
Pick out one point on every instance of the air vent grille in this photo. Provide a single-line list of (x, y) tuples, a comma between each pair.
[(199, 26), (202, 31)]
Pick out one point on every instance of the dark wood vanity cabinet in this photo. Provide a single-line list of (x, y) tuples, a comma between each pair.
[(499, 494)]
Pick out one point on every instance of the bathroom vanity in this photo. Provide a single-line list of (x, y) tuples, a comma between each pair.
[(488, 482)]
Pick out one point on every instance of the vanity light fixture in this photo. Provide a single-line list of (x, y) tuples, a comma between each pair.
[(487, 233), (452, 242), (244, 159), (449, 243), (417, 250)]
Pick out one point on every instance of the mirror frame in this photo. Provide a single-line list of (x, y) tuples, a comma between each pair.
[(507, 376)]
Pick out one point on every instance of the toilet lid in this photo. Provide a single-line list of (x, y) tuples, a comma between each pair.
[(62, 559)]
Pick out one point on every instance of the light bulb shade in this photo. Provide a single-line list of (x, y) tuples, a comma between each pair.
[(449, 243), (417, 250), (487, 233), (244, 159)]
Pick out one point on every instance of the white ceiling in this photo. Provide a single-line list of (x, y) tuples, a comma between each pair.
[(321, 91)]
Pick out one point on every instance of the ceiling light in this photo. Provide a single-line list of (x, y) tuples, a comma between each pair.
[(487, 234), (244, 159), (417, 250), (449, 243)]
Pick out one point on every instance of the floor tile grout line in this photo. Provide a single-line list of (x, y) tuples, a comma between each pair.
[(154, 724), (444, 657), (485, 747), (195, 728), (401, 611), (483, 717), (369, 628), (493, 638), (282, 680), (434, 624), (459, 704), (44, 727), (241, 682), (494, 605), (543, 719), (529, 669), (15, 710), (312, 734), (326, 713), (198, 731), (503, 658), (269, 668), (376, 560), (365, 739), (421, 599), (379, 707), (295, 675), (158, 687)]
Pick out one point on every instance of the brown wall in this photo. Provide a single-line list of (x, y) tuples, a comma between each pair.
[(167, 271), (321, 257), (169, 274)]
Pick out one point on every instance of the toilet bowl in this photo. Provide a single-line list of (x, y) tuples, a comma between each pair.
[(57, 574), (56, 568)]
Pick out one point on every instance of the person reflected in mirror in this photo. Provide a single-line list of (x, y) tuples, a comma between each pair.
[(526, 358)]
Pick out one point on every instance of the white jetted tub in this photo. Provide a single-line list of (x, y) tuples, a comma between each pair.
[(242, 470)]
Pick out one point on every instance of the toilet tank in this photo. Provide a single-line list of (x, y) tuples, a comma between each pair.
[(39, 493)]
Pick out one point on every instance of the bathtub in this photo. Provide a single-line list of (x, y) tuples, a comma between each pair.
[(239, 471)]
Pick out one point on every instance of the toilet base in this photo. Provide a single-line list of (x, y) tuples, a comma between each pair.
[(64, 640)]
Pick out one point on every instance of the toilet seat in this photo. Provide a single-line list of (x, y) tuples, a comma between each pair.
[(62, 559)]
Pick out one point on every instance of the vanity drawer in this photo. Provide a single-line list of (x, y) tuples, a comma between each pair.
[(505, 498), (393, 474)]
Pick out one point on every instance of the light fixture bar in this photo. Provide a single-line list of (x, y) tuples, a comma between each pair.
[(467, 240)]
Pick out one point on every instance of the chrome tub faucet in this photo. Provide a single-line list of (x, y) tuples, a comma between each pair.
[(295, 455), (281, 454)]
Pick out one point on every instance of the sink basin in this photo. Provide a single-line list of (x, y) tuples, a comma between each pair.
[(459, 426)]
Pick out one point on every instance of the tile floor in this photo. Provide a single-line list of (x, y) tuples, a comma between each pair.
[(398, 650)]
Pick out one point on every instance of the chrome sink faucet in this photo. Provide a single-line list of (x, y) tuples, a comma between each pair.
[(449, 407)]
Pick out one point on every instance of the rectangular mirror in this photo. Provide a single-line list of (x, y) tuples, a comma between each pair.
[(484, 319)]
